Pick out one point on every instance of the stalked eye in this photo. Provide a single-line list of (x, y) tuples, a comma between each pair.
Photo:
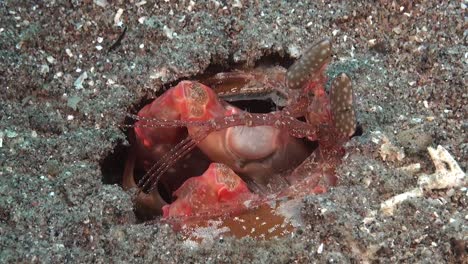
[(341, 100), (305, 69)]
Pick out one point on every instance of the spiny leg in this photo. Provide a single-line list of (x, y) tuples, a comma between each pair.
[(284, 119), (153, 175), (155, 122), (147, 178), (167, 163)]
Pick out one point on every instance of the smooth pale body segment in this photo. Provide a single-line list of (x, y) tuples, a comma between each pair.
[(309, 66), (342, 105)]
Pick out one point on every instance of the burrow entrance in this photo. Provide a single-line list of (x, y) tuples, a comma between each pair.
[(113, 165)]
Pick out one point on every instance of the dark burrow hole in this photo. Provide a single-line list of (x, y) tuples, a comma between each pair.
[(113, 165), (359, 131)]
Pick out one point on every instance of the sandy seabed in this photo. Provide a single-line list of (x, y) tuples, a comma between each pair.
[(68, 73)]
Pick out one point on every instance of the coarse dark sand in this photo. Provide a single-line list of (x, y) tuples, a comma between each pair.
[(68, 72)]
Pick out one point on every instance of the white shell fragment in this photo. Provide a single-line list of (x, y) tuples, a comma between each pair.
[(117, 18), (79, 81), (101, 3), (445, 176), (448, 174), (390, 152)]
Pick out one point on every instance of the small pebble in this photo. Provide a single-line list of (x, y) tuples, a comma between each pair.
[(69, 53), (320, 249), (101, 3), (79, 81), (117, 18), (11, 134), (50, 59)]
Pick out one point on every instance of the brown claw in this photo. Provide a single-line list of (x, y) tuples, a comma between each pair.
[(341, 101), (309, 65)]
